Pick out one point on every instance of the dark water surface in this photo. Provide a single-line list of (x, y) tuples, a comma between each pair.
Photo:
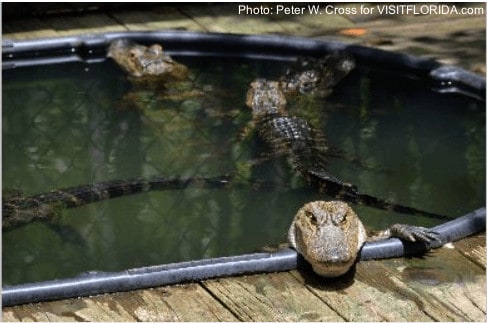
[(73, 124)]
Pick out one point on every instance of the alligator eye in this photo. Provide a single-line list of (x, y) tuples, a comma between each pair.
[(343, 219), (311, 216)]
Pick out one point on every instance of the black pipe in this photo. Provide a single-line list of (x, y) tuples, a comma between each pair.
[(283, 260), (92, 48), (453, 230)]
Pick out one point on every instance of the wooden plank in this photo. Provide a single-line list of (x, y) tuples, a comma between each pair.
[(444, 40), (27, 29), (225, 18), (473, 248), (312, 25), (356, 300), (452, 286), (442, 286), (270, 297), (83, 24), (58, 26), (161, 18), (188, 302)]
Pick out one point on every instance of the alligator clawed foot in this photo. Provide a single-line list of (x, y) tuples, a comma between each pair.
[(413, 233)]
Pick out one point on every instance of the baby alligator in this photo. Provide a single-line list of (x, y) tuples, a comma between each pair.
[(295, 138), (18, 210), (329, 235), (146, 63)]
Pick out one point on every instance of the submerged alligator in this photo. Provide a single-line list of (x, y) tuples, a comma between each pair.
[(153, 74), (328, 234), (295, 138), (146, 63), (45, 207)]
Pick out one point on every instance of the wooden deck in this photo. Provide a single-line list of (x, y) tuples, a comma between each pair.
[(447, 284)]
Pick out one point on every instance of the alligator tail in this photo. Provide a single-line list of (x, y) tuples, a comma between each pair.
[(333, 187)]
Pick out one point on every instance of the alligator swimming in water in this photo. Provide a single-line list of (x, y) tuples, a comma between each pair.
[(18, 210), (294, 137), (154, 75), (146, 63)]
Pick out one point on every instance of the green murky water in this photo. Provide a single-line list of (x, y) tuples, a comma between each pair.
[(73, 124)]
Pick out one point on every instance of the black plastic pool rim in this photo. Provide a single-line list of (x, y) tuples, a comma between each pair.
[(94, 283), (92, 49)]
